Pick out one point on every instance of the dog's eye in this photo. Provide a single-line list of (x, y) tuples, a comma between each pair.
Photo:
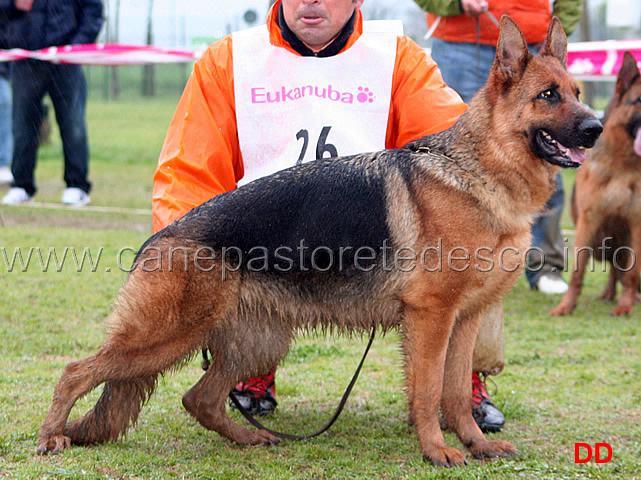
[(549, 94)]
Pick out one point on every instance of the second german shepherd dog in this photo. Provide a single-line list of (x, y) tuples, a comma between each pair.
[(346, 245), (606, 201)]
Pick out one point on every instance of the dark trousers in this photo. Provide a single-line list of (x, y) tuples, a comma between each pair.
[(65, 84)]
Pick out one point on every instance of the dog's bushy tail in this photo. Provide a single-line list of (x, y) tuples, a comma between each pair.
[(117, 408)]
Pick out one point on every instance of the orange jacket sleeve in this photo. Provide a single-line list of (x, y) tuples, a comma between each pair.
[(421, 102), (200, 157)]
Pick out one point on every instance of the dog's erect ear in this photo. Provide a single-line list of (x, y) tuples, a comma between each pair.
[(627, 75), (511, 50), (556, 43)]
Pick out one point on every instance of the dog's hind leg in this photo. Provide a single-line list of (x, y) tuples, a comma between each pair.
[(77, 380), (609, 293), (156, 324), (129, 377), (237, 353), (629, 277), (118, 405), (205, 401), (457, 392)]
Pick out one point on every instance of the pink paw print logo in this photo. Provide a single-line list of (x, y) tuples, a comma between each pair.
[(364, 95)]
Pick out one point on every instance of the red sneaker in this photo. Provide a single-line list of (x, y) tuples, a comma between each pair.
[(487, 416), (257, 395)]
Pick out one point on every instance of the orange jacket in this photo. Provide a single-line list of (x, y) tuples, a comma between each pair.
[(201, 158), (532, 16)]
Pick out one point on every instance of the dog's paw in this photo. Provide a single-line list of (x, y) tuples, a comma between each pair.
[(260, 438), (493, 449), (621, 310), (561, 310), (444, 457), (52, 444)]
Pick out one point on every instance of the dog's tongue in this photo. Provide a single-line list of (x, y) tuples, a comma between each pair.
[(637, 143), (577, 155)]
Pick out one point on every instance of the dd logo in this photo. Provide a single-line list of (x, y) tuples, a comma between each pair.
[(578, 447)]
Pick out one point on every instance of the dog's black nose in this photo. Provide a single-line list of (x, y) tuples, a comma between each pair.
[(590, 129)]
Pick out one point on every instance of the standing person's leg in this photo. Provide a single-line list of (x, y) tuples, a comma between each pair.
[(29, 79), (488, 359), (6, 130), (546, 259), (69, 96)]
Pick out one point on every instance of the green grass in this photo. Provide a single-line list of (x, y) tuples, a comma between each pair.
[(170, 79), (575, 379)]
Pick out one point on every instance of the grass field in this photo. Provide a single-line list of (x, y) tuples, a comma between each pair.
[(568, 380)]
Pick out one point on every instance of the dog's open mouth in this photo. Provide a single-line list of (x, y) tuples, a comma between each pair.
[(556, 153), (637, 142), (634, 128)]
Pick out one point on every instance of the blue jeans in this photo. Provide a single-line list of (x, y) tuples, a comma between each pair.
[(65, 84), (6, 133), (546, 235), (465, 67)]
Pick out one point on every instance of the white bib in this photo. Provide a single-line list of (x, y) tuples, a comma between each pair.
[(292, 109)]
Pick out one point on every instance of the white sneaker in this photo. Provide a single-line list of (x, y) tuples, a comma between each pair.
[(75, 197), (16, 196), (5, 176), (551, 284)]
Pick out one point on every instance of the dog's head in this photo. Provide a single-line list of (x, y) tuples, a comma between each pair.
[(557, 125), (624, 109)]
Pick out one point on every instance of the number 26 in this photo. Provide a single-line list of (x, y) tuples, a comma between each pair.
[(321, 146)]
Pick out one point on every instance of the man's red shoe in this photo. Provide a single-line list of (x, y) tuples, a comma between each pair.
[(257, 395), (487, 416)]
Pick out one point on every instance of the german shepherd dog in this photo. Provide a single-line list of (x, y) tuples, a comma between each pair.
[(606, 201), (331, 245)]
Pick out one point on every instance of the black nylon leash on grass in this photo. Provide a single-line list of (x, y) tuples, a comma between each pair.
[(337, 413)]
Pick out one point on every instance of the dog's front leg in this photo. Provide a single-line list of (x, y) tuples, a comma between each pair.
[(426, 332), (584, 234), (457, 391), (630, 276)]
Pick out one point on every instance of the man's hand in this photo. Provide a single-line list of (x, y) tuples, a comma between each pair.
[(24, 5), (474, 7)]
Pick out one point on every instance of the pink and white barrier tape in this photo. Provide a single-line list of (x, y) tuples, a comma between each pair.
[(600, 60), (103, 54), (589, 60)]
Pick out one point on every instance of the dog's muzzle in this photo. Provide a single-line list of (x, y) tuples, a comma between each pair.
[(589, 130)]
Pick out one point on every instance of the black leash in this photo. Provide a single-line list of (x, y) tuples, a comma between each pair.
[(337, 413), (480, 81)]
